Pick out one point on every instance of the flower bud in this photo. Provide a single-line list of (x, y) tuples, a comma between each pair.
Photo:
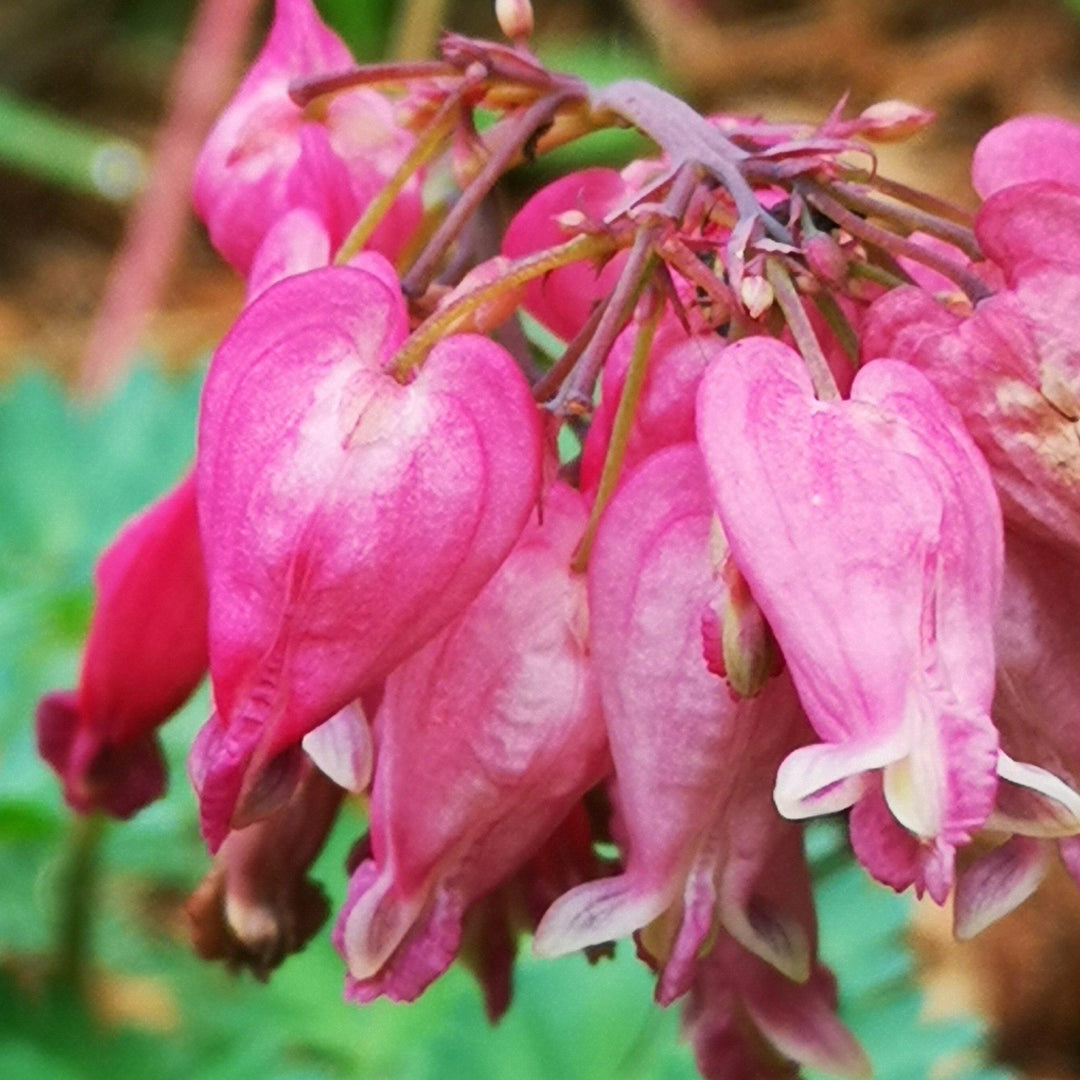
[(825, 257), (893, 121), (757, 296), (515, 18)]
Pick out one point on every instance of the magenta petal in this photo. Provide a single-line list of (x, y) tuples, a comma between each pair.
[(145, 654), (997, 883), (1026, 148), (563, 299), (1031, 223), (347, 518)]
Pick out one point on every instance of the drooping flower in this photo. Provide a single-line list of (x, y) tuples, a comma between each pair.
[(346, 517), (870, 535), (266, 155), (700, 828), (485, 739), (145, 655)]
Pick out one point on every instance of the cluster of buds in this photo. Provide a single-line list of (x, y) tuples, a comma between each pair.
[(819, 551)]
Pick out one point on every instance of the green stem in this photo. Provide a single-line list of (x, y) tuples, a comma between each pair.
[(620, 431), (434, 329), (427, 146), (78, 895)]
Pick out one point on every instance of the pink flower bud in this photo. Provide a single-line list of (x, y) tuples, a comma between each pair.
[(144, 657), (515, 18), (893, 121), (825, 257)]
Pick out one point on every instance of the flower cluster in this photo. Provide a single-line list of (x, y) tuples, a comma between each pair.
[(819, 551)]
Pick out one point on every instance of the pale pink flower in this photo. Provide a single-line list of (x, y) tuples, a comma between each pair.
[(870, 535), (693, 765)]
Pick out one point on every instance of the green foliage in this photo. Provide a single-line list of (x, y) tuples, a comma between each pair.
[(68, 478)]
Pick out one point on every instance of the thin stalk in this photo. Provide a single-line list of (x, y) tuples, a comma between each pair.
[(838, 323), (522, 128), (78, 896), (620, 431), (553, 377), (975, 289), (304, 92), (932, 204), (576, 394), (428, 146), (909, 218), (432, 330), (877, 274), (805, 339)]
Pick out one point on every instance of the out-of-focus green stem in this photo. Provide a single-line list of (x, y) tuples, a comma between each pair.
[(36, 141), (77, 894), (417, 28)]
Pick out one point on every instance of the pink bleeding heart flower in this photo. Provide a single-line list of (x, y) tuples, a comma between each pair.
[(563, 299), (346, 517), (1037, 710), (485, 740), (870, 536), (145, 655), (1026, 148), (266, 155), (694, 766)]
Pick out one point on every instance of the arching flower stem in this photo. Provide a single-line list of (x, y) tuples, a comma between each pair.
[(621, 427), (432, 330), (523, 127), (878, 237), (806, 341)]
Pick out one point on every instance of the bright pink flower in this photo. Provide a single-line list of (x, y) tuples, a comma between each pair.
[(563, 299), (694, 766), (1026, 148), (1037, 710), (266, 156), (346, 517), (870, 535), (484, 741), (145, 655)]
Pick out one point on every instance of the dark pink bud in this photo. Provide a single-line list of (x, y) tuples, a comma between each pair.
[(145, 655)]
